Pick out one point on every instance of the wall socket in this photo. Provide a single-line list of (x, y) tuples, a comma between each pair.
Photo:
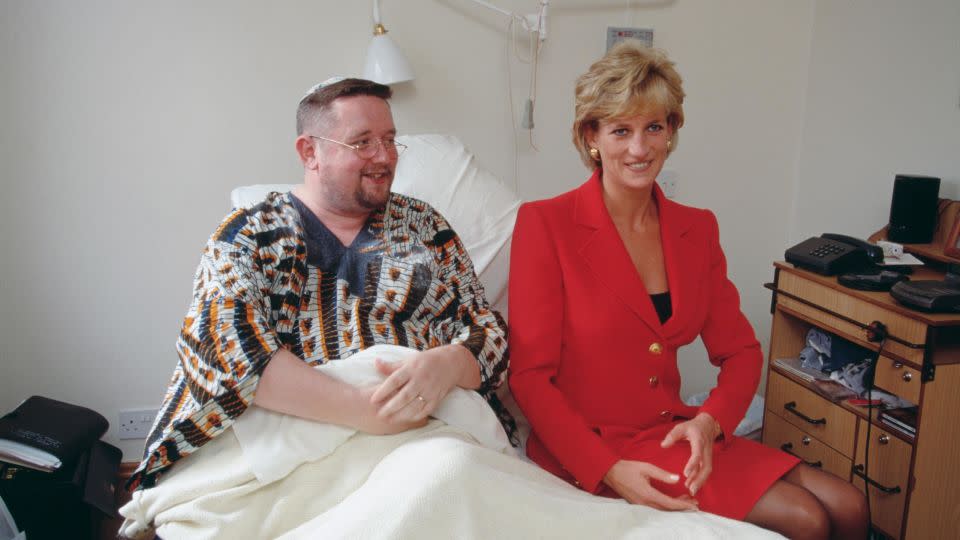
[(136, 424)]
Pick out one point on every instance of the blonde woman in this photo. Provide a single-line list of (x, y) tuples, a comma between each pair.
[(606, 282)]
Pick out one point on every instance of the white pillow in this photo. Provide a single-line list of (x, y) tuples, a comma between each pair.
[(439, 170), (247, 196)]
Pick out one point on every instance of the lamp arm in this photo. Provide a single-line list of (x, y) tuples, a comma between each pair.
[(534, 22), (497, 9)]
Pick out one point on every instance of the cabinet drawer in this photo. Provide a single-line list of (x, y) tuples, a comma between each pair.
[(827, 301), (778, 433), (811, 413), (898, 379), (889, 472)]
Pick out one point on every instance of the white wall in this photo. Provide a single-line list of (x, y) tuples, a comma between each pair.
[(127, 124), (883, 99)]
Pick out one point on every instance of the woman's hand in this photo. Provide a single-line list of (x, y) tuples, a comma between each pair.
[(415, 388), (631, 480), (701, 431)]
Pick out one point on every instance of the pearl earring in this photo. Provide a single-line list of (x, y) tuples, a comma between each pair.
[(669, 143)]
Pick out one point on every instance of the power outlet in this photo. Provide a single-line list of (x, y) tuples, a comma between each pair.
[(668, 183), (136, 424)]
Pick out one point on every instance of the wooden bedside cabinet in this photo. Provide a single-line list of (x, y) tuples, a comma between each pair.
[(914, 483)]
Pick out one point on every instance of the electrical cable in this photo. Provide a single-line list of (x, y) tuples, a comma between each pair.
[(876, 331), (535, 46), (532, 98), (513, 117), (513, 41)]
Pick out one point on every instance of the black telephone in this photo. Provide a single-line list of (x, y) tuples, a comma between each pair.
[(831, 254)]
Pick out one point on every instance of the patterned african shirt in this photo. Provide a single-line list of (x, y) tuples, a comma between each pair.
[(273, 276)]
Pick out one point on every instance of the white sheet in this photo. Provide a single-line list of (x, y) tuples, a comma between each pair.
[(439, 481), (274, 444), (435, 482)]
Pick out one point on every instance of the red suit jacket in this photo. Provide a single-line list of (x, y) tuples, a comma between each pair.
[(591, 365)]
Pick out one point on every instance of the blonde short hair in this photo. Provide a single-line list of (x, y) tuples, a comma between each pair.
[(630, 79)]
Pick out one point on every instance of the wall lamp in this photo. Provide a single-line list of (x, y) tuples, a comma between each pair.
[(386, 63)]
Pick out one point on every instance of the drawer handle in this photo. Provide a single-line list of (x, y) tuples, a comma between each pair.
[(858, 471), (788, 447), (897, 365), (908, 376), (884, 439), (792, 407), (805, 440)]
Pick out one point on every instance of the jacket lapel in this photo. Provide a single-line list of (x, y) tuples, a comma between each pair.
[(603, 252), (682, 257)]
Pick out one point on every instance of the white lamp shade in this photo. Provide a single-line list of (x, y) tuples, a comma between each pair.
[(386, 63)]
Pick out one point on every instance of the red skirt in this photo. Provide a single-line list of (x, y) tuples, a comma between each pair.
[(743, 470)]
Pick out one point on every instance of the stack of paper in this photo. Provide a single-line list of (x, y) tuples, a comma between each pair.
[(794, 367), (28, 456), (903, 420)]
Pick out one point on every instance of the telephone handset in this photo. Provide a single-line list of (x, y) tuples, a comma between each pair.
[(831, 254)]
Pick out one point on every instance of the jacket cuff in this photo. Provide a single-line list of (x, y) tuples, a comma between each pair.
[(589, 476), (728, 422)]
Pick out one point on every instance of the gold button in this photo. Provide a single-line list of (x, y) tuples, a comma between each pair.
[(654, 381), (655, 348), (666, 414)]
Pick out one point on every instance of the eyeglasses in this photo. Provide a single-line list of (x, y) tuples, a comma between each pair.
[(368, 148)]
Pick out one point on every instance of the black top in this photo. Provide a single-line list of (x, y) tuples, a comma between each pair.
[(661, 303)]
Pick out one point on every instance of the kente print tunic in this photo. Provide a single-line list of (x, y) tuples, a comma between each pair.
[(273, 276)]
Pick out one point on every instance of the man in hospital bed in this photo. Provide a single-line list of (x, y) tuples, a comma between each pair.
[(266, 430)]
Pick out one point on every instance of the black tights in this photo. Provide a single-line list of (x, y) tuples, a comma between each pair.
[(809, 503)]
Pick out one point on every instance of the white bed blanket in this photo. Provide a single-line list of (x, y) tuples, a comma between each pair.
[(433, 482), (274, 444)]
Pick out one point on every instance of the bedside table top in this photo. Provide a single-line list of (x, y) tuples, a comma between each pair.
[(881, 299)]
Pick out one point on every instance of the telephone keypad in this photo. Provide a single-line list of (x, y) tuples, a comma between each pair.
[(827, 250)]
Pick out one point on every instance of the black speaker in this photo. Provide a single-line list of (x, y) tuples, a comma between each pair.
[(913, 210)]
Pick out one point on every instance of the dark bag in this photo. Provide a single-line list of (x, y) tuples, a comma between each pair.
[(61, 429), (68, 503)]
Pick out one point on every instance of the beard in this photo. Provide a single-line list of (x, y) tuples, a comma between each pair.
[(373, 197), (359, 194)]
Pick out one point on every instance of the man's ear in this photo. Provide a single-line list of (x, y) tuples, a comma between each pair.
[(307, 151)]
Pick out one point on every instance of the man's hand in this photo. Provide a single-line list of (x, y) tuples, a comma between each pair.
[(701, 431), (631, 480), (371, 421), (289, 386), (415, 388)]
